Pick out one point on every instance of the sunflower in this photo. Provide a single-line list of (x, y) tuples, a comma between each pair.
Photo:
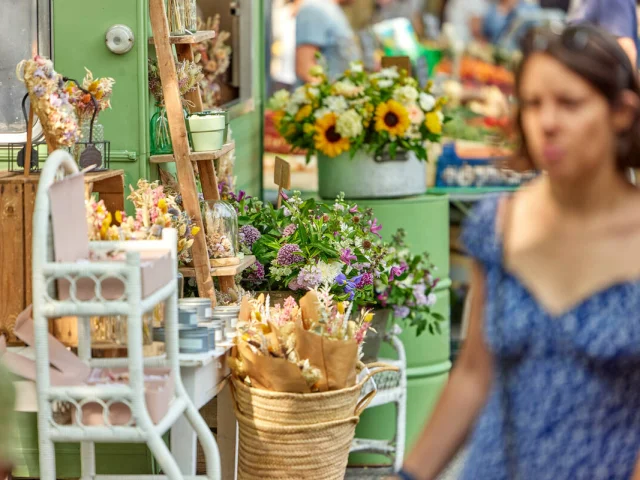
[(277, 117), (327, 139), (392, 117)]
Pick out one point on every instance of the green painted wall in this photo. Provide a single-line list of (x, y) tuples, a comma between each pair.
[(79, 28)]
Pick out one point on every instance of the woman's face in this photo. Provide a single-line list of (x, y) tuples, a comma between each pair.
[(566, 122)]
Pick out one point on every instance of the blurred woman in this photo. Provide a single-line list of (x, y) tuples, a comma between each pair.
[(548, 381)]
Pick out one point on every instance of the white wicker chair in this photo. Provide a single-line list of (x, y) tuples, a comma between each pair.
[(392, 388), (133, 304)]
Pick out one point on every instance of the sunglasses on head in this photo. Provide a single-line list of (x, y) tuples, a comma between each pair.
[(573, 38)]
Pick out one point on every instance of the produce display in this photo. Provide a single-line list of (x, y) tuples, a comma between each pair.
[(479, 72)]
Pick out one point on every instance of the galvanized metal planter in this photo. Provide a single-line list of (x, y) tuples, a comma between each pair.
[(366, 177)]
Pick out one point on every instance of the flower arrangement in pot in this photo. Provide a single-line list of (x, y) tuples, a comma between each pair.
[(407, 298), (364, 125), (305, 245)]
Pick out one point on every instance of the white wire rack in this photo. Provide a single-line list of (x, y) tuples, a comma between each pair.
[(392, 388), (140, 429)]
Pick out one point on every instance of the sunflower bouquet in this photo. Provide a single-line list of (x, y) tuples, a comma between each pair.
[(382, 112)]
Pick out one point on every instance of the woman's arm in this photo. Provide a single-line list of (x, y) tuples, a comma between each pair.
[(462, 399)]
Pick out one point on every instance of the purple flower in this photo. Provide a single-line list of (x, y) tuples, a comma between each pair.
[(400, 311), (382, 298), (284, 196), (241, 195), (354, 209), (374, 227), (288, 254), (39, 72), (289, 230), (248, 235), (397, 271), (347, 256), (431, 299), (341, 279), (39, 90), (286, 212), (308, 278), (255, 273), (419, 294), (365, 279)]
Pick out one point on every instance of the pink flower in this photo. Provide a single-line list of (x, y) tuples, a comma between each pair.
[(374, 227), (416, 115), (347, 256), (354, 209)]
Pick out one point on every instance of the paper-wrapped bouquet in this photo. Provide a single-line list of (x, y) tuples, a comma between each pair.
[(313, 346)]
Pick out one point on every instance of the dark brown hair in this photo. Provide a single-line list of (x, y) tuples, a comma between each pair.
[(595, 56)]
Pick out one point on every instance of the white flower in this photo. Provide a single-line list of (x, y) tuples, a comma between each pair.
[(347, 88), (356, 67), (405, 95), (321, 112), (336, 104), (338, 207), (349, 124), (280, 100), (299, 96), (391, 73), (313, 92), (416, 115), (316, 71), (427, 102), (329, 271), (385, 83), (293, 108)]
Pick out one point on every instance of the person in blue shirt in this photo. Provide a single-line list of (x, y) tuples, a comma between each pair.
[(618, 17), (500, 15), (322, 27)]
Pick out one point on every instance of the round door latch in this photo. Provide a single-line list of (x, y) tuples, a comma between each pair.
[(119, 39)]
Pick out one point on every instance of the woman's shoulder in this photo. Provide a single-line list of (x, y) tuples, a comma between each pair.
[(480, 232)]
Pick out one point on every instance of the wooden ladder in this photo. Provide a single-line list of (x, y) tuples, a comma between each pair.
[(188, 163)]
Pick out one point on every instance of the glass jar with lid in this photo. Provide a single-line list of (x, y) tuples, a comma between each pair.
[(221, 228)]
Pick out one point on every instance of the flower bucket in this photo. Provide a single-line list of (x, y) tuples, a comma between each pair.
[(364, 177), (207, 131), (373, 340)]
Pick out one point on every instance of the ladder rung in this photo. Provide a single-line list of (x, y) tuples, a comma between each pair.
[(197, 37)]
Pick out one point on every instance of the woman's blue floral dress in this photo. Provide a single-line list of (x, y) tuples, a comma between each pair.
[(574, 381)]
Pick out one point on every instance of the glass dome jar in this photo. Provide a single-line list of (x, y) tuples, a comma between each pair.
[(221, 228)]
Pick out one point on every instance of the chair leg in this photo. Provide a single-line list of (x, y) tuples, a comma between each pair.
[(88, 460), (209, 446), (401, 406), (47, 459), (163, 456)]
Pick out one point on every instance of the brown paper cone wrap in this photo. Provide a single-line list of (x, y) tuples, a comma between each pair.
[(269, 373), (336, 359)]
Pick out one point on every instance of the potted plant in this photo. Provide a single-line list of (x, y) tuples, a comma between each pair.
[(373, 127), (305, 245), (407, 298)]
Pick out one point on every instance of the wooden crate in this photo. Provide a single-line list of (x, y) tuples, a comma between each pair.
[(17, 200)]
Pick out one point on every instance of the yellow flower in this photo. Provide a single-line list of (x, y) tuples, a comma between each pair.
[(392, 117), (303, 113), (195, 230), (308, 128), (432, 122), (368, 317), (162, 205), (118, 216), (277, 118), (340, 307), (327, 139)]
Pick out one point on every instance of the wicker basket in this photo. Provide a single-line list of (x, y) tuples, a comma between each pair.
[(279, 430)]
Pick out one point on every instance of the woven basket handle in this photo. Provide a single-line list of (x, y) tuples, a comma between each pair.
[(364, 402), (375, 368)]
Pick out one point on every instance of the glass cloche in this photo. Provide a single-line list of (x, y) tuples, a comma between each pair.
[(221, 228)]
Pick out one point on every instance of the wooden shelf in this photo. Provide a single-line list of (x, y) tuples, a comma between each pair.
[(245, 263), (197, 37), (195, 156)]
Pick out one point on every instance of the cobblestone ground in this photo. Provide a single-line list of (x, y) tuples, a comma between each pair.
[(453, 472)]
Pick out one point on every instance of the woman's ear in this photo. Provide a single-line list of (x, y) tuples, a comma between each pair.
[(626, 111)]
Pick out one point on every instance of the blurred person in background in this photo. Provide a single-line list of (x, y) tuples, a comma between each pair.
[(618, 17), (466, 17), (7, 422), (500, 15), (322, 27), (548, 381), (283, 48)]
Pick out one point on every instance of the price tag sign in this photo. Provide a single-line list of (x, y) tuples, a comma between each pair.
[(402, 63), (282, 177)]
